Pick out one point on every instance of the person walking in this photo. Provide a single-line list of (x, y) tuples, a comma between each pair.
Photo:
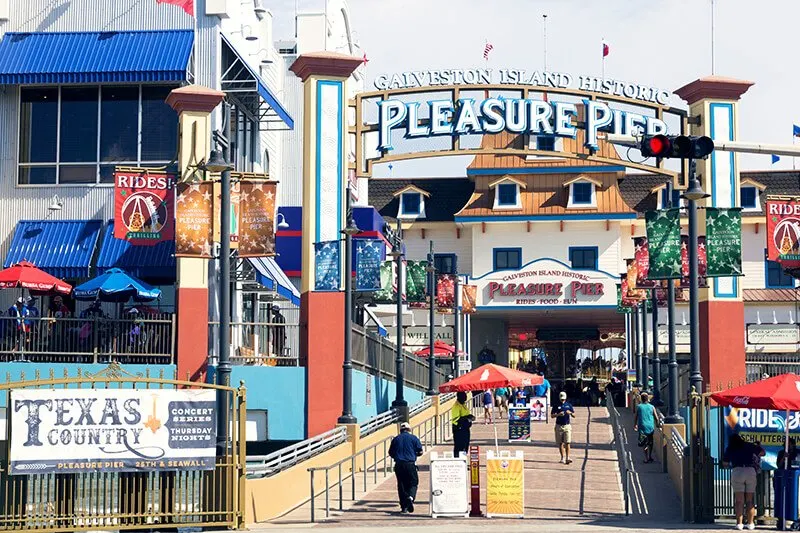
[(501, 397), (404, 450), (745, 459), (645, 421), (461, 418), (488, 406), (563, 412)]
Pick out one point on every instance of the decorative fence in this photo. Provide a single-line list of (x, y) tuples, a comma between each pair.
[(772, 364), (146, 340), (274, 340)]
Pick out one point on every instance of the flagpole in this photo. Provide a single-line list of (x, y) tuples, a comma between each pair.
[(712, 37), (793, 159), (544, 22), (603, 51)]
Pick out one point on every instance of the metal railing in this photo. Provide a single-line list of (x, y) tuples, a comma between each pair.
[(772, 364), (625, 468), (259, 343), (375, 355), (378, 422), (369, 460), (268, 465), (145, 340)]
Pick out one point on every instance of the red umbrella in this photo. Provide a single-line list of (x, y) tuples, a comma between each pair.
[(779, 393), (491, 377), (27, 276), (440, 349)]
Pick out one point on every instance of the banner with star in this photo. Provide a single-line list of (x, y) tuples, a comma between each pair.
[(194, 226), (368, 264), (632, 274), (445, 293), (641, 257), (664, 244), (624, 306), (469, 299), (416, 280), (233, 212), (388, 291), (701, 262), (724, 241), (143, 206), (257, 218), (327, 275)]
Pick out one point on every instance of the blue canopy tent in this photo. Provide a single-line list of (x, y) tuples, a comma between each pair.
[(116, 285)]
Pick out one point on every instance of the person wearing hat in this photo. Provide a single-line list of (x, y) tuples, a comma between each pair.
[(404, 450), (563, 412), (20, 312)]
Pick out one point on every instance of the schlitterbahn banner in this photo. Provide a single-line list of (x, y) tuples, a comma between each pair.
[(143, 206), (783, 232), (111, 430), (723, 242), (664, 243)]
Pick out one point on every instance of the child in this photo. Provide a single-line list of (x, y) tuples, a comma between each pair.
[(488, 404)]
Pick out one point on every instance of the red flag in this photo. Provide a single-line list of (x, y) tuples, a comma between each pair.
[(186, 5), (486, 49), (605, 49)]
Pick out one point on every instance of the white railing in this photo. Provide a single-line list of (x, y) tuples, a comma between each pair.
[(622, 456), (267, 465), (381, 421), (677, 444), (421, 406)]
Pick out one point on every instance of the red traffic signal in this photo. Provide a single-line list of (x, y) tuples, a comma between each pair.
[(676, 146)]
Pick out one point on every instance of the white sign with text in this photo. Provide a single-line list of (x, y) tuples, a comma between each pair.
[(449, 484)]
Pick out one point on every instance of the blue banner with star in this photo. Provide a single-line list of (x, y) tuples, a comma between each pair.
[(327, 265), (368, 264)]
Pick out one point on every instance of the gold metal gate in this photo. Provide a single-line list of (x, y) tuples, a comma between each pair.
[(127, 500)]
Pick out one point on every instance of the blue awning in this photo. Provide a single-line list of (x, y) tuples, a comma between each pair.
[(62, 248), (95, 57), (270, 275), (147, 262), (240, 80), (377, 321)]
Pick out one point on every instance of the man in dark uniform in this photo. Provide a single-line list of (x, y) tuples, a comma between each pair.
[(404, 449)]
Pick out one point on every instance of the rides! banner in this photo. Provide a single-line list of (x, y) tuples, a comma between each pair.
[(783, 232), (143, 206), (763, 426)]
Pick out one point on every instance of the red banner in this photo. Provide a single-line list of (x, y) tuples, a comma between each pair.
[(702, 262), (194, 210), (445, 292), (257, 218), (143, 206), (632, 274), (642, 257), (469, 298), (783, 232)]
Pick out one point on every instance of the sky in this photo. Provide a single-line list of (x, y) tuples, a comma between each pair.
[(664, 44)]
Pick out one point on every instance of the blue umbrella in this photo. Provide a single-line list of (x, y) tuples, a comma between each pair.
[(116, 285)]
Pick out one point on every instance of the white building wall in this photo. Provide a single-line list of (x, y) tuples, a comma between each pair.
[(753, 266), (445, 241)]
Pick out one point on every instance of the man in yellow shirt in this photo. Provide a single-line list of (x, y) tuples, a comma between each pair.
[(462, 418)]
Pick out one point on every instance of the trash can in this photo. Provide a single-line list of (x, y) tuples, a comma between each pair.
[(789, 496)]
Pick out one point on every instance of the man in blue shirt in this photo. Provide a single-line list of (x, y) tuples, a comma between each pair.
[(404, 449), (543, 390), (563, 412)]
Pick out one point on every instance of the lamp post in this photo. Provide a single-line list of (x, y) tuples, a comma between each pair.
[(693, 194), (636, 346), (656, 359), (456, 325), (672, 366), (431, 320), (399, 402), (347, 367), (645, 359)]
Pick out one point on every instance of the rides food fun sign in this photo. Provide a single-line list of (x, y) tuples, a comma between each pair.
[(111, 430), (545, 283)]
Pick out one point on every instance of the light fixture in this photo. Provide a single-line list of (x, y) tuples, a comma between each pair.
[(351, 228), (695, 192), (215, 163), (267, 60), (282, 224), (56, 203), (249, 35)]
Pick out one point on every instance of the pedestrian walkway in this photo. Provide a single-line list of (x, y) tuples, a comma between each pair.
[(588, 491)]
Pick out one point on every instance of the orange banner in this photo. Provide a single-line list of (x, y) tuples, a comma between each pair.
[(469, 297), (193, 220), (257, 218)]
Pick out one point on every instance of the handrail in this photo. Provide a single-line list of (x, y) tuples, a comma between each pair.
[(425, 430), (420, 406), (291, 455), (377, 422), (679, 445), (622, 456)]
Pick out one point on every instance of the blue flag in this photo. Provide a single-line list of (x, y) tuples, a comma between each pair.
[(368, 264), (795, 130), (327, 266), (775, 159)]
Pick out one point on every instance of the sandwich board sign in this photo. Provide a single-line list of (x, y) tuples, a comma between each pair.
[(449, 482)]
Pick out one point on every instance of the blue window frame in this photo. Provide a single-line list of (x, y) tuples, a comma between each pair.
[(507, 258), (546, 143), (774, 275), (748, 197), (676, 198), (410, 203), (507, 194), (583, 257), (582, 193), (445, 263)]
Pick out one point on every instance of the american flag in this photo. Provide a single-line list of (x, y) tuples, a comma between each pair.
[(486, 50)]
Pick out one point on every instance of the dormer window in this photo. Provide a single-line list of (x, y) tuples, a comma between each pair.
[(411, 202), (507, 193), (545, 143), (582, 192), (749, 195)]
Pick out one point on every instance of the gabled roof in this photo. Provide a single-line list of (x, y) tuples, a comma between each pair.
[(582, 177), (449, 195), (753, 183), (511, 179), (411, 188)]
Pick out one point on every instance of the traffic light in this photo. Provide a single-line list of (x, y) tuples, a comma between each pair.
[(676, 146)]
